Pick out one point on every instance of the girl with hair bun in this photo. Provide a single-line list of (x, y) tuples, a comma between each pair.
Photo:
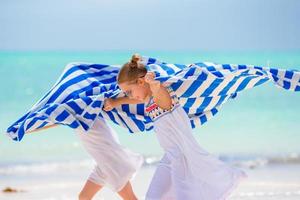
[(186, 171)]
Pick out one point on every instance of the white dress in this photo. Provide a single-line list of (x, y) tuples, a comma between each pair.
[(115, 165), (186, 171)]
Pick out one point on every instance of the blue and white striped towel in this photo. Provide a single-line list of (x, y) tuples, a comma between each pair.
[(76, 99)]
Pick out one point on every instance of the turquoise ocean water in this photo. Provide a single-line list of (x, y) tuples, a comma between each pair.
[(263, 122)]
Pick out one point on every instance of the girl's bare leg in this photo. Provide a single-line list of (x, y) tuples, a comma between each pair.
[(127, 193), (89, 190)]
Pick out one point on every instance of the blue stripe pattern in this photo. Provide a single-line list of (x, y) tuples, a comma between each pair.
[(76, 99)]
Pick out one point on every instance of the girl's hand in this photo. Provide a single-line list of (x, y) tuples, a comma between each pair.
[(109, 104), (154, 84), (149, 77)]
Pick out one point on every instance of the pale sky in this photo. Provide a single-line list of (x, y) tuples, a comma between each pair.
[(88, 25)]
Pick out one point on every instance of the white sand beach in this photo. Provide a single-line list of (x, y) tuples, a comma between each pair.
[(276, 182)]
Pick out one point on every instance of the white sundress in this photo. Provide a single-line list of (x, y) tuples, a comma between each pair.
[(115, 164), (186, 171)]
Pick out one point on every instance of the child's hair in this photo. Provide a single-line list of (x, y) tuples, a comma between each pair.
[(132, 70)]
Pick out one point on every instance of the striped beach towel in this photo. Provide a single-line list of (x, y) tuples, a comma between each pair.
[(76, 99)]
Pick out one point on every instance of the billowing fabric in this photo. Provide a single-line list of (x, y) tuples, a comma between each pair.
[(76, 99)]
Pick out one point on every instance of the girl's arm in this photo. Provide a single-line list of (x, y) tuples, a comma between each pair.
[(160, 94), (126, 100), (109, 104), (162, 98), (46, 127)]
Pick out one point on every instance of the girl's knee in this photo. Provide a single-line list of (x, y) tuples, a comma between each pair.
[(84, 196)]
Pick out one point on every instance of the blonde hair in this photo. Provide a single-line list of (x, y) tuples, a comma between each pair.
[(132, 70)]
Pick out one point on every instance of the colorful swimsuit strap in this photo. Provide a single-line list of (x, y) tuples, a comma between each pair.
[(154, 111)]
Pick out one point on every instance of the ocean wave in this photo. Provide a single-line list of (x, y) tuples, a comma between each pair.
[(259, 161), (38, 167), (44, 167), (246, 161)]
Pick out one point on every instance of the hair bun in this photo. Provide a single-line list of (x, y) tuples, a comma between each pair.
[(135, 58), (134, 61)]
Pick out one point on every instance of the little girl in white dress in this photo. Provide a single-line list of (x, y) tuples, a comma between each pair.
[(186, 171), (115, 164)]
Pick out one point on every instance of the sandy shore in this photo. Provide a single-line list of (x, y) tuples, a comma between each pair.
[(276, 182)]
